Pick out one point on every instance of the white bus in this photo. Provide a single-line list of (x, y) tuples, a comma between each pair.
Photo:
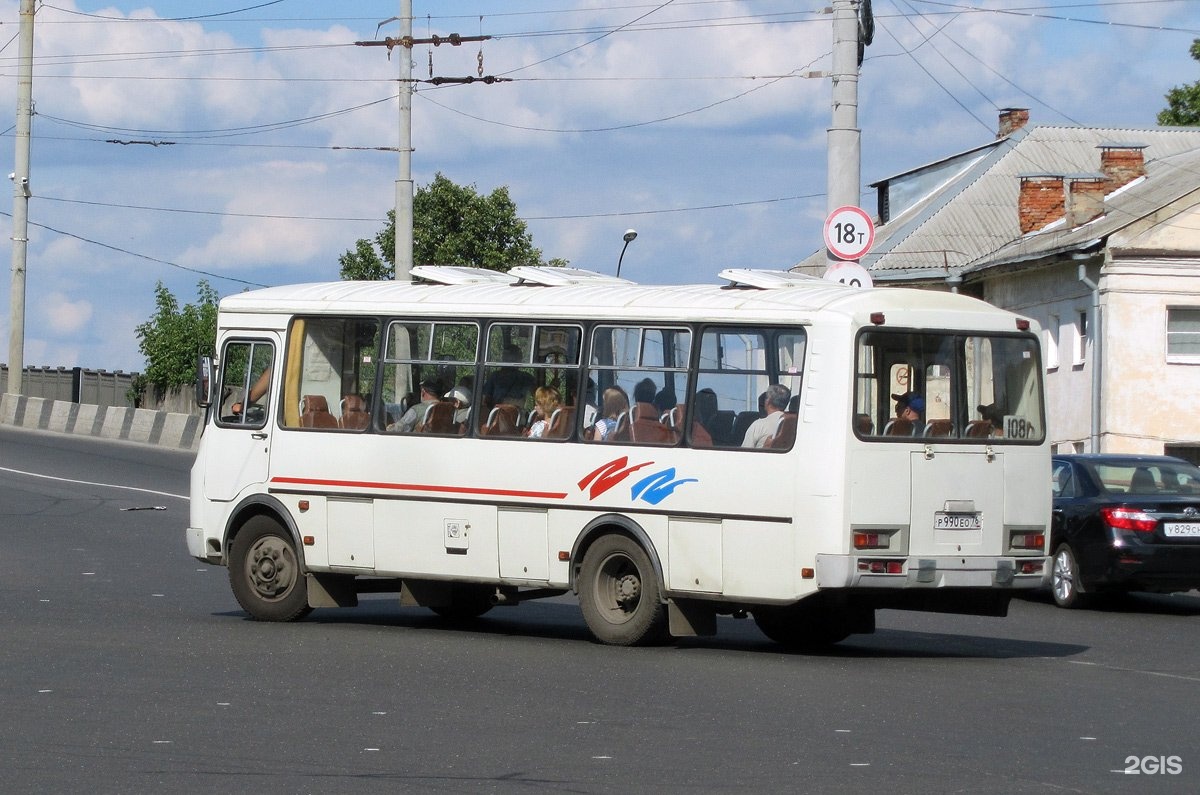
[(475, 439)]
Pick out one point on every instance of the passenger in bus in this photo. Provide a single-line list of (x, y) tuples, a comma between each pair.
[(546, 400), (763, 429), (408, 423), (460, 396), (616, 403), (909, 408), (508, 384)]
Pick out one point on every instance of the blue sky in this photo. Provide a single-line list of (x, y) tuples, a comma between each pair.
[(244, 142)]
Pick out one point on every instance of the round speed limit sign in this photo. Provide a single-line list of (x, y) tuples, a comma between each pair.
[(849, 233)]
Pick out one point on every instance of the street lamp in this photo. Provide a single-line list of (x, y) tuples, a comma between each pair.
[(629, 237)]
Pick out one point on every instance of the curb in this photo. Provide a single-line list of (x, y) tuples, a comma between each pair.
[(158, 428)]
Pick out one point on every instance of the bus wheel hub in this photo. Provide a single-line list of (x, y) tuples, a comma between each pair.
[(628, 589)]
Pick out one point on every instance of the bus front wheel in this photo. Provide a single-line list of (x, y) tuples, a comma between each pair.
[(619, 594), (264, 572)]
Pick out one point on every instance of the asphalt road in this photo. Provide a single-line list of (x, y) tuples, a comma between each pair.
[(128, 667)]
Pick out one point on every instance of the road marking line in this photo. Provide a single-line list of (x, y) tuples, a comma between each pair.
[(92, 483)]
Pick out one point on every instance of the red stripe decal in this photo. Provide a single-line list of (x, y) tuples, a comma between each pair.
[(367, 484)]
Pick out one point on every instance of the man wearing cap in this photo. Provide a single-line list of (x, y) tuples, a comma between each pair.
[(909, 408), (462, 405), (408, 423)]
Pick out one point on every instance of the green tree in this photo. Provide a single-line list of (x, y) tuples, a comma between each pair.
[(452, 225), (1183, 102), (173, 337)]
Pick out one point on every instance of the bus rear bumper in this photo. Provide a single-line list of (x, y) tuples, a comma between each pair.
[(854, 571)]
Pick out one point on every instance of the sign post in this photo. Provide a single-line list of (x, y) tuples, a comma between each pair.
[(849, 234)]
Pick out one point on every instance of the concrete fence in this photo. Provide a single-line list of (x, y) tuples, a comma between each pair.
[(161, 428), (74, 384)]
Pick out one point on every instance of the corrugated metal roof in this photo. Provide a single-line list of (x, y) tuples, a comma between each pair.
[(965, 221), (1167, 179)]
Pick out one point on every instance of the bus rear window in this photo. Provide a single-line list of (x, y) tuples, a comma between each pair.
[(948, 386)]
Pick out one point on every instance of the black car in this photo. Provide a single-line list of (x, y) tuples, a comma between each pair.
[(1124, 523)]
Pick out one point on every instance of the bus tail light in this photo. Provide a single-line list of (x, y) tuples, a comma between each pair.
[(873, 539), (1028, 541), (1031, 567), (870, 541), (881, 566), (1122, 517)]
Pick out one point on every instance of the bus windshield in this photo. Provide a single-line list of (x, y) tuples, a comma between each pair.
[(949, 386)]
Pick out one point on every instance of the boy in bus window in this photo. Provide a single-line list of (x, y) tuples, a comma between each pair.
[(763, 429), (461, 397), (909, 408)]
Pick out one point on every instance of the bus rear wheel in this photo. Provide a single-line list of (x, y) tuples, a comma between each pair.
[(264, 572), (802, 627), (619, 594)]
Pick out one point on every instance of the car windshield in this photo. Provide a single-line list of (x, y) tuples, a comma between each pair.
[(1148, 478)]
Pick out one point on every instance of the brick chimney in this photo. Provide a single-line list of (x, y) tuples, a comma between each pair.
[(1011, 120), (1041, 201), (1085, 200), (1121, 164)]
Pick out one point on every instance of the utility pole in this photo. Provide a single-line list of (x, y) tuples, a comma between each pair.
[(844, 142), (20, 179), (404, 182)]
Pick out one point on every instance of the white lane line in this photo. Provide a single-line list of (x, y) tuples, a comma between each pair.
[(93, 483), (1124, 670)]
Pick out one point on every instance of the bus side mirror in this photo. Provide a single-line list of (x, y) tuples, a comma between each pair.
[(204, 370)]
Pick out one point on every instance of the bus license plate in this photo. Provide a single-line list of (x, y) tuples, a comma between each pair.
[(957, 521), (1181, 529)]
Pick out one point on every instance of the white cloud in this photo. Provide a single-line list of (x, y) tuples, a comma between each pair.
[(159, 80), (61, 316)]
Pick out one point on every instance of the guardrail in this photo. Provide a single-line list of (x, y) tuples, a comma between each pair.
[(161, 428)]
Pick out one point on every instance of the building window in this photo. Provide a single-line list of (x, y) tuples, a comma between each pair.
[(1080, 335), (1183, 334), (1050, 342), (1188, 452)]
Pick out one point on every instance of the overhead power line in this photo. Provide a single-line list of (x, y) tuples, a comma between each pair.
[(147, 257)]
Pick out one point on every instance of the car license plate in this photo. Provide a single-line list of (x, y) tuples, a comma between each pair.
[(957, 521), (1181, 529)]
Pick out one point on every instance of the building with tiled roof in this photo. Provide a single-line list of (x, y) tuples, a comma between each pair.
[(1092, 232)]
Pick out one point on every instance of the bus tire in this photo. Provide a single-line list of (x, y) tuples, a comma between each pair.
[(802, 627), (265, 574), (619, 594), (466, 603)]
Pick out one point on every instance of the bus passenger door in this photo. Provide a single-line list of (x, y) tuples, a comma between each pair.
[(238, 443)]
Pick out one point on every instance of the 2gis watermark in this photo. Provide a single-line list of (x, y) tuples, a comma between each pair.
[(1152, 766)]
